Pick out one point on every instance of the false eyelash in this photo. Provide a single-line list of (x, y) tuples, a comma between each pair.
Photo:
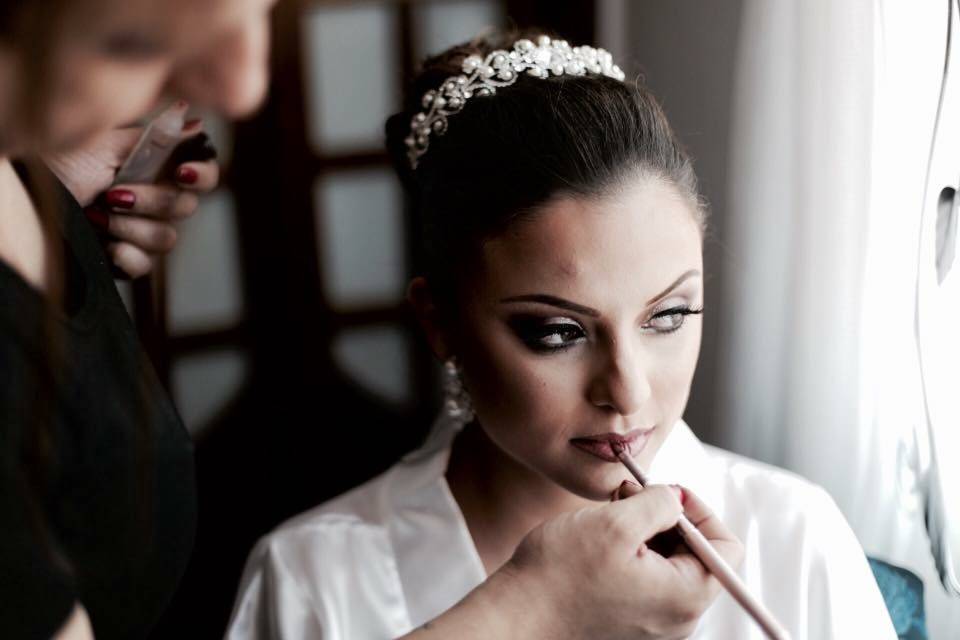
[(684, 311)]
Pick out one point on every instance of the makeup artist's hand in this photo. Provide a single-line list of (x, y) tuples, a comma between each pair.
[(590, 574), (667, 550), (137, 221), (610, 583)]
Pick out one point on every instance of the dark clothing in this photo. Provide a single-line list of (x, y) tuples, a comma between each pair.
[(97, 501)]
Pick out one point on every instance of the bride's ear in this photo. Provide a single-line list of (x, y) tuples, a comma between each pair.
[(424, 304)]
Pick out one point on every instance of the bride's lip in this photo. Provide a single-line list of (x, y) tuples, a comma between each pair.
[(601, 446)]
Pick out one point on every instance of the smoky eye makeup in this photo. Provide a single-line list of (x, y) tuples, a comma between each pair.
[(546, 334)]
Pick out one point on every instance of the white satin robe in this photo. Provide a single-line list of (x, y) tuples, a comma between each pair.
[(388, 556)]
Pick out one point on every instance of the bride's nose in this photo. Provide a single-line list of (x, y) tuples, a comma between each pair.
[(621, 382)]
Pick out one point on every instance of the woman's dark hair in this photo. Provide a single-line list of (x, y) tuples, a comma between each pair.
[(28, 28), (502, 157)]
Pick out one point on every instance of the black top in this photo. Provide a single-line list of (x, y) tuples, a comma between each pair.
[(97, 502)]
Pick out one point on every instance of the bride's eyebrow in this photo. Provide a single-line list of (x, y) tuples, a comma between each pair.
[(553, 301), (561, 303), (676, 283)]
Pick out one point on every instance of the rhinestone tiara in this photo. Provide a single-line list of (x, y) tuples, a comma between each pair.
[(482, 77)]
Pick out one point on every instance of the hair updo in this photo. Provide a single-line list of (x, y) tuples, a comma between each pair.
[(504, 156)]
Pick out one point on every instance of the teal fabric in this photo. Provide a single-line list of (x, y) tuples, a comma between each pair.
[(903, 593)]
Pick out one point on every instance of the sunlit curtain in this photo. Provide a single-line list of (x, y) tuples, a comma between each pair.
[(834, 107)]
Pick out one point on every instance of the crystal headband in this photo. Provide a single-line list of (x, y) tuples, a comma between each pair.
[(482, 76)]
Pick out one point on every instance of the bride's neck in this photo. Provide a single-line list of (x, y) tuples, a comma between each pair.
[(500, 498)]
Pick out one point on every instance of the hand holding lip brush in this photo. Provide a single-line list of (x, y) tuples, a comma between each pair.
[(713, 561)]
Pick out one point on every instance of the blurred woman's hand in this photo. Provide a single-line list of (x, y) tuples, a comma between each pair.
[(138, 222)]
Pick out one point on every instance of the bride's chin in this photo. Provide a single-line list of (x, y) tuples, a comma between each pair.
[(598, 487)]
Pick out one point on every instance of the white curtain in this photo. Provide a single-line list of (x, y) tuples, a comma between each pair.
[(834, 108)]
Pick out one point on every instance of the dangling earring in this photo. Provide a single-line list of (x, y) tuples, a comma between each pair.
[(456, 400)]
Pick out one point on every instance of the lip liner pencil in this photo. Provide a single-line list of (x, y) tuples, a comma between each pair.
[(714, 562)]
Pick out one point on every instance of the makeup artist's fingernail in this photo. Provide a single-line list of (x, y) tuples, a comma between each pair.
[(121, 198), (192, 122), (98, 218), (187, 175), (680, 494)]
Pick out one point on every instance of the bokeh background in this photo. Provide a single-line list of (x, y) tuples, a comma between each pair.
[(278, 323)]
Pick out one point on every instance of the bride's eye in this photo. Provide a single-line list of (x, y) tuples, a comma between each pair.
[(548, 335), (669, 320)]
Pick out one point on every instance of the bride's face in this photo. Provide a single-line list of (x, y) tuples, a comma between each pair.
[(578, 327)]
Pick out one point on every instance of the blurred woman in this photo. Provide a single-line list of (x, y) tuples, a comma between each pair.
[(96, 475)]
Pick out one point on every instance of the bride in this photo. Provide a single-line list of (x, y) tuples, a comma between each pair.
[(564, 291)]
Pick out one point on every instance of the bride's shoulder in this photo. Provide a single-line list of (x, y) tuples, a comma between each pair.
[(743, 471), (359, 515), (766, 494), (356, 522), (800, 552), (327, 559)]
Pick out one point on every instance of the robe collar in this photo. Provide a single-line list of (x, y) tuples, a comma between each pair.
[(428, 529)]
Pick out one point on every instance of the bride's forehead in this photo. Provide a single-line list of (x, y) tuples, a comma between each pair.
[(617, 281), (626, 232)]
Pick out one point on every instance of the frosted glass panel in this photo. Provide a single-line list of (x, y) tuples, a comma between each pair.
[(442, 24), (204, 384), (204, 271), (361, 238), (352, 74), (377, 358)]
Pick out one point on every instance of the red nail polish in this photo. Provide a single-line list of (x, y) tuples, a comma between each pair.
[(680, 494), (192, 122), (98, 218), (121, 198), (187, 175)]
